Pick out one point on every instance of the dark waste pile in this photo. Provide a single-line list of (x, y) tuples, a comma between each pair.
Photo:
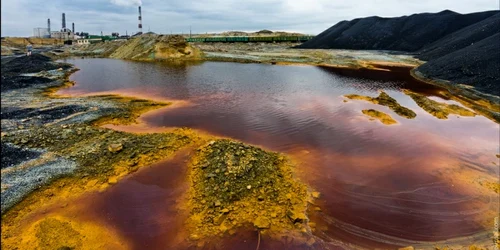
[(13, 68), (233, 185), (462, 48)]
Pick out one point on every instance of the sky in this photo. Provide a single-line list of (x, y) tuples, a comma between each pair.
[(19, 17)]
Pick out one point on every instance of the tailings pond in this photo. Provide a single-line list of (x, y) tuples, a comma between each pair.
[(418, 181)]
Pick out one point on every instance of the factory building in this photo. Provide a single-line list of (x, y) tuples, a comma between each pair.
[(41, 33), (64, 33)]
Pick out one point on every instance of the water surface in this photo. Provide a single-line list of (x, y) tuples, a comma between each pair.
[(381, 186)]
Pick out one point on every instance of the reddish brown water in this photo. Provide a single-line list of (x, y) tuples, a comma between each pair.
[(381, 186)]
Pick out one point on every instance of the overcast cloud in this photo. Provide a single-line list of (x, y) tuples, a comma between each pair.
[(19, 17)]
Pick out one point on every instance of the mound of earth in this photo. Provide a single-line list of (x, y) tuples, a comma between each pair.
[(156, 47), (462, 38), (233, 185), (460, 48), (477, 65), (29, 64), (406, 33), (21, 42), (13, 67)]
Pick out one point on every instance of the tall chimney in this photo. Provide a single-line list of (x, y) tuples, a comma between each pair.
[(73, 26), (63, 20), (48, 26), (140, 21)]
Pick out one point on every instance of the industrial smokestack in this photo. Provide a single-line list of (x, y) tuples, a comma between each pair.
[(63, 20), (140, 20), (48, 26), (73, 27)]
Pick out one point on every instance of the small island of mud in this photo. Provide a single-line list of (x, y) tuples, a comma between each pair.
[(233, 185), (385, 100)]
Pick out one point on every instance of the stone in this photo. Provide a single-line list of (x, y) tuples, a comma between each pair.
[(112, 180), (217, 203), (249, 187), (261, 223), (219, 219), (315, 195), (296, 216), (406, 248), (225, 210), (194, 237), (115, 147)]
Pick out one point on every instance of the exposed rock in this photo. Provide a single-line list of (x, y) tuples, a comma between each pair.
[(406, 248), (220, 218), (116, 147), (217, 203), (112, 180), (261, 223), (296, 216)]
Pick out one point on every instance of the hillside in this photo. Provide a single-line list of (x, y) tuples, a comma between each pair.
[(460, 48), (461, 38), (477, 65), (406, 33), (156, 47), (143, 48)]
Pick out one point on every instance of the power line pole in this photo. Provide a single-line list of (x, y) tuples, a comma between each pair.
[(189, 31)]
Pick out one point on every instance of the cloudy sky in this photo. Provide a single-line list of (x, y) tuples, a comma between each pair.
[(19, 17)]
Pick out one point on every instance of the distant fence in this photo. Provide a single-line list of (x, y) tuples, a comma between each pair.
[(248, 39)]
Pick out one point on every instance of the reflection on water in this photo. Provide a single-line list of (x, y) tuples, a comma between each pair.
[(380, 185)]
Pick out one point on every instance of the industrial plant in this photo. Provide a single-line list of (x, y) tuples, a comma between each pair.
[(70, 36)]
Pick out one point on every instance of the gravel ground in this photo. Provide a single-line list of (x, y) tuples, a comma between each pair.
[(23, 109), (13, 155)]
